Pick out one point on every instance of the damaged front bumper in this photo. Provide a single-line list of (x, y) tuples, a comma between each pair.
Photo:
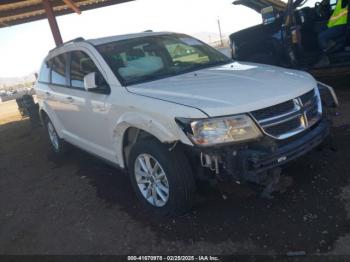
[(249, 161)]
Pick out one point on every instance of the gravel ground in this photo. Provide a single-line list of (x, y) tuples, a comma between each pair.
[(80, 205)]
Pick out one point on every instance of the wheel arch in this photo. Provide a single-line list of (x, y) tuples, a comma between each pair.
[(44, 111), (42, 115), (132, 127)]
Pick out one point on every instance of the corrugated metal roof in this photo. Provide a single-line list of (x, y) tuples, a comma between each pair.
[(13, 12)]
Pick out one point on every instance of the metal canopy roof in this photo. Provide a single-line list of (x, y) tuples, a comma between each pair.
[(13, 12)]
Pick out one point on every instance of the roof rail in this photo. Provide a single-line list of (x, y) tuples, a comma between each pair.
[(78, 39)]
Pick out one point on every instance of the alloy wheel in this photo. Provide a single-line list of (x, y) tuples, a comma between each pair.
[(151, 180)]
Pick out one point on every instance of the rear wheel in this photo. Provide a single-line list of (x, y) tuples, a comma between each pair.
[(162, 179), (58, 146)]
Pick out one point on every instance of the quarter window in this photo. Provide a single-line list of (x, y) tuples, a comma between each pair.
[(58, 73), (44, 75)]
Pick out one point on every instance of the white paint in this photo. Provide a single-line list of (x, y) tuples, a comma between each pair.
[(231, 89), (97, 122)]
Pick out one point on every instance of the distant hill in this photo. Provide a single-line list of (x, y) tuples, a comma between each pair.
[(11, 81)]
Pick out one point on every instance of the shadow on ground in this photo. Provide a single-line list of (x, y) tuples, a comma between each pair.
[(308, 217)]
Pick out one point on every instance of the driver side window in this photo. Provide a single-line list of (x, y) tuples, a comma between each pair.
[(81, 65)]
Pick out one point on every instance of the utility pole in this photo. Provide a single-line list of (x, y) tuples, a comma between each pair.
[(222, 43)]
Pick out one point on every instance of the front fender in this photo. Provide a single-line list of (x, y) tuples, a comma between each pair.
[(166, 131)]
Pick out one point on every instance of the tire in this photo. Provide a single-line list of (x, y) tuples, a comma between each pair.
[(57, 145), (178, 178)]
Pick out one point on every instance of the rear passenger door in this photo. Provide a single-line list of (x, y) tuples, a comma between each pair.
[(57, 97)]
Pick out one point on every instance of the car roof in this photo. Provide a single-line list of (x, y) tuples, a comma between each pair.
[(104, 40)]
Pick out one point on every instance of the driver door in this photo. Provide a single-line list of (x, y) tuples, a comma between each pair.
[(87, 124)]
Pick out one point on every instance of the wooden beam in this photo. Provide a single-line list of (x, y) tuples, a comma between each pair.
[(3, 23), (53, 22), (30, 8), (24, 15), (72, 6)]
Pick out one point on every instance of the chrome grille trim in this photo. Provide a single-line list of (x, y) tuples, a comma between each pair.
[(295, 110), (307, 111), (280, 121)]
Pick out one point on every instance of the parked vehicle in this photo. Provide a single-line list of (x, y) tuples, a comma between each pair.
[(170, 117), (288, 36)]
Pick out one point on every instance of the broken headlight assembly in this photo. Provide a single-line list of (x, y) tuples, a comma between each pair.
[(328, 96), (220, 130)]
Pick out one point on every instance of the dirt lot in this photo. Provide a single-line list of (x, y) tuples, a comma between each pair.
[(79, 205)]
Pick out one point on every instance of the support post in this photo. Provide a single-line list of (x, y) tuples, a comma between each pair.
[(222, 43), (53, 22)]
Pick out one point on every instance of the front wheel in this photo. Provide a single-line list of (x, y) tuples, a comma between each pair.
[(162, 179)]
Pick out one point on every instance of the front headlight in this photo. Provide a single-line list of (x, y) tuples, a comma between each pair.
[(221, 130)]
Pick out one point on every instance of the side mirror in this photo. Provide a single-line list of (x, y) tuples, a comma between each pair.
[(90, 81)]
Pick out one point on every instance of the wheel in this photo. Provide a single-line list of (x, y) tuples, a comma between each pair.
[(162, 179), (58, 146)]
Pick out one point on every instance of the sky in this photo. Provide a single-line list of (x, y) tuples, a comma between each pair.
[(23, 47)]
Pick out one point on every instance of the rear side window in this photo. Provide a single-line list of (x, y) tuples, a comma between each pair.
[(58, 73), (81, 65), (44, 75)]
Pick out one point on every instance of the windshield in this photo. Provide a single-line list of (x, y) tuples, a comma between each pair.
[(150, 58)]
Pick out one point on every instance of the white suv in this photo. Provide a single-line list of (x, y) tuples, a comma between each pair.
[(168, 108)]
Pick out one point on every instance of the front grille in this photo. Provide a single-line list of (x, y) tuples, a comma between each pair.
[(277, 130), (291, 117), (276, 110), (306, 98)]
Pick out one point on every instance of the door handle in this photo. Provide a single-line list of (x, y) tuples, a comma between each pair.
[(48, 93), (70, 99)]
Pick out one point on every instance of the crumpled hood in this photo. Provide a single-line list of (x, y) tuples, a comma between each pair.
[(230, 89)]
